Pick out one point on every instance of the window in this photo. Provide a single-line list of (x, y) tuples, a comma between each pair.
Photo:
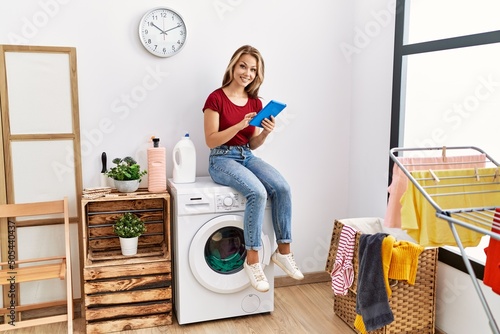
[(446, 87), (429, 20)]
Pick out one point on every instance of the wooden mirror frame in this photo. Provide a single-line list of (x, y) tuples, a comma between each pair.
[(68, 136)]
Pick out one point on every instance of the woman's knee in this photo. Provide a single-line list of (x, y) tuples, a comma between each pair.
[(258, 194)]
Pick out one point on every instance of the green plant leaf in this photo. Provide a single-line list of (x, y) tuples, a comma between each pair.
[(129, 225), (125, 169)]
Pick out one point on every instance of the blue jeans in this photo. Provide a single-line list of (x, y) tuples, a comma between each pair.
[(238, 168)]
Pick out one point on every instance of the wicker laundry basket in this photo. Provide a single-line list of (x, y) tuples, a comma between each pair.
[(413, 306)]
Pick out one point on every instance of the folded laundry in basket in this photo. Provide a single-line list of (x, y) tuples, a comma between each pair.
[(343, 271), (397, 260), (404, 260), (372, 303)]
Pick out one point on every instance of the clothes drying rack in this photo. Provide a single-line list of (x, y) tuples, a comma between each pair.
[(478, 219)]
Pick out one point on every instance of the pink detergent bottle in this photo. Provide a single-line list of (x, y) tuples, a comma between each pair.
[(157, 172)]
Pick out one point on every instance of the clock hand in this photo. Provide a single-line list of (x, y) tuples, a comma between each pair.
[(178, 26), (154, 25)]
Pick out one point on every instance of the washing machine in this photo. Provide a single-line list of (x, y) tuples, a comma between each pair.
[(209, 251)]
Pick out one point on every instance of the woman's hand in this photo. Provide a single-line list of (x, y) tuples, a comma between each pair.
[(244, 122), (268, 124), (259, 137)]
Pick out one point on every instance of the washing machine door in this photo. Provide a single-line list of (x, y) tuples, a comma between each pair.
[(217, 254)]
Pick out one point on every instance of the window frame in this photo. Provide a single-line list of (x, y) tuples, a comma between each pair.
[(402, 50)]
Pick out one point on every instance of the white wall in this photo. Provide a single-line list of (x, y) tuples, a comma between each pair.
[(458, 307), (371, 53), (126, 95)]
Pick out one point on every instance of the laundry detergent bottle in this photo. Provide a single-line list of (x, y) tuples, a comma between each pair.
[(157, 172), (184, 159)]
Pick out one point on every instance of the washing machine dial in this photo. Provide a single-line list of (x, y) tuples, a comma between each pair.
[(228, 201)]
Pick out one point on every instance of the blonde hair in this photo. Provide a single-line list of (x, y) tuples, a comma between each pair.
[(253, 88)]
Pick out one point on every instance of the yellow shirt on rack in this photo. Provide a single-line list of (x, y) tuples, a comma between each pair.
[(466, 188)]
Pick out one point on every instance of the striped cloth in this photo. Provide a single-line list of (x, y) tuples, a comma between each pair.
[(343, 271)]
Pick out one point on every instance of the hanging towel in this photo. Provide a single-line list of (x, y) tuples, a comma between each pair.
[(372, 304), (418, 217), (343, 271), (492, 266), (400, 181), (387, 245)]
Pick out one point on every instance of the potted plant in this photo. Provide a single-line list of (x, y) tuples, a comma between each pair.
[(129, 227), (126, 174)]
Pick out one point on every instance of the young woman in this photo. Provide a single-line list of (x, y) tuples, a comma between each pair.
[(227, 112)]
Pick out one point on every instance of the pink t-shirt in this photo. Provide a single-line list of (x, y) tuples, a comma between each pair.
[(230, 114)]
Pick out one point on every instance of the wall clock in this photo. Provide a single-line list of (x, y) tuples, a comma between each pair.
[(162, 32)]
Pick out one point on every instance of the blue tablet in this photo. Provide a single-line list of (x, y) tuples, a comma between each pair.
[(272, 108)]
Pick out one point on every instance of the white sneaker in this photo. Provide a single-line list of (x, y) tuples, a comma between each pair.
[(287, 263), (257, 277)]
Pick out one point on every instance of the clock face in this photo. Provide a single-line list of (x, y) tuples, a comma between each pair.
[(162, 32)]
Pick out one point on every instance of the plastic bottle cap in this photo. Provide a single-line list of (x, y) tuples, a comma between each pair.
[(186, 135), (156, 141)]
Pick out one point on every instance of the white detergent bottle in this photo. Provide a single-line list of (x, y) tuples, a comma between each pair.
[(184, 158)]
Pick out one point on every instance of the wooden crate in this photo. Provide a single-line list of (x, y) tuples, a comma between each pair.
[(126, 292), (99, 215)]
